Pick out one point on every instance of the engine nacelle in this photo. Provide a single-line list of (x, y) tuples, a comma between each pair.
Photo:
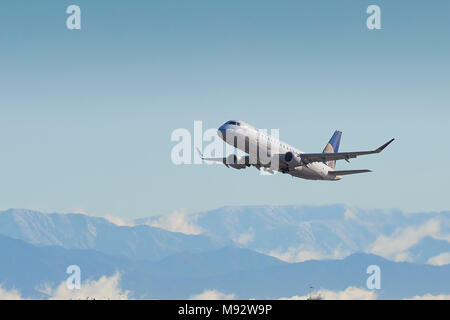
[(235, 162), (291, 159)]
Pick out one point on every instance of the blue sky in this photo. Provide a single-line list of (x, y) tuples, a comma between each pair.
[(86, 116)]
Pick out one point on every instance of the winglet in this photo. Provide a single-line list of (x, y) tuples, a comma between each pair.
[(384, 146), (200, 153)]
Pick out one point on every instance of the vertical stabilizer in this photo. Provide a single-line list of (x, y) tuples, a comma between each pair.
[(333, 147)]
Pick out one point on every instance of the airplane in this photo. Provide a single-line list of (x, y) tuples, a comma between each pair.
[(269, 154)]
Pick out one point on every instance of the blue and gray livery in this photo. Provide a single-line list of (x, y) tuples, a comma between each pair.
[(333, 147)]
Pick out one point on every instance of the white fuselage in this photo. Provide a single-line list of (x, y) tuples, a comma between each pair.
[(258, 142)]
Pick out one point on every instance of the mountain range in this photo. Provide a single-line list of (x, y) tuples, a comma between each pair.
[(79, 231), (300, 233), (250, 252)]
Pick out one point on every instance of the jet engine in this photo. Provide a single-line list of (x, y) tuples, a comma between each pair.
[(292, 160), (236, 162)]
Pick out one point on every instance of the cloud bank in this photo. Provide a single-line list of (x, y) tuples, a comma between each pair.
[(212, 295), (9, 294), (440, 260), (350, 293), (177, 221), (105, 288), (244, 238), (395, 247), (429, 296), (303, 253), (118, 221)]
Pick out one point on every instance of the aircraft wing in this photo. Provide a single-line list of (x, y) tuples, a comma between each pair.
[(215, 159), (345, 172), (324, 157), (241, 159)]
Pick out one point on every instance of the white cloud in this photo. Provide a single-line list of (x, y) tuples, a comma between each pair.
[(245, 238), (350, 213), (445, 237), (303, 253), (351, 293), (104, 288), (113, 219), (80, 211), (440, 260), (118, 221), (9, 294), (429, 296), (213, 295), (177, 221), (395, 246), (293, 254)]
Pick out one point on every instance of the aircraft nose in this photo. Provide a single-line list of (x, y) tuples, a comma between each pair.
[(221, 131)]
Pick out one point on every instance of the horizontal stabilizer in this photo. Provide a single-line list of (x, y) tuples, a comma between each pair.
[(344, 172), (325, 157)]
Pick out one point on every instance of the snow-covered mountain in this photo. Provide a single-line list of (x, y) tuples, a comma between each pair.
[(79, 231), (230, 249), (300, 233), (38, 272), (290, 233)]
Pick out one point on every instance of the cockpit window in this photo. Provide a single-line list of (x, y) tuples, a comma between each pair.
[(233, 123)]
